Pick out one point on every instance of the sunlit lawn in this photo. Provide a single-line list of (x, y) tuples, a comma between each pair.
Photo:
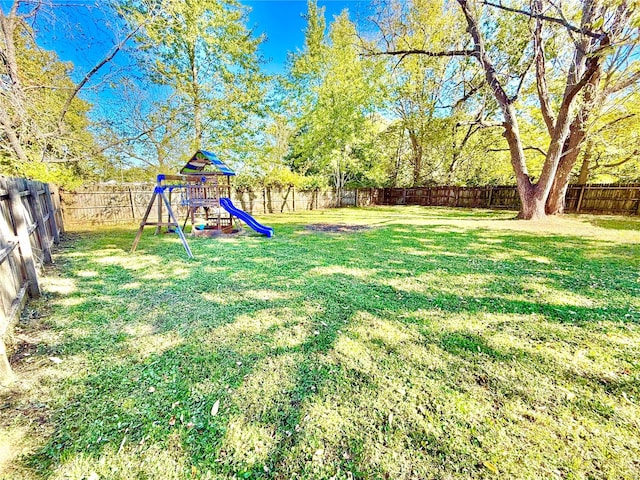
[(434, 344)]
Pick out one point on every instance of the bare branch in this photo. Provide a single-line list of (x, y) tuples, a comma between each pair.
[(468, 95), (622, 84), (481, 124), (93, 71), (622, 162), (546, 18), (427, 53), (541, 80), (610, 124), (536, 149), (521, 82)]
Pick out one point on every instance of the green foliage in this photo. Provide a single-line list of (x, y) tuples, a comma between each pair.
[(57, 151), (203, 51), (338, 91)]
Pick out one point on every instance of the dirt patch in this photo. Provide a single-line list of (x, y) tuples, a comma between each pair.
[(335, 228)]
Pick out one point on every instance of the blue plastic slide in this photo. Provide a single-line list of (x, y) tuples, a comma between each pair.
[(245, 217)]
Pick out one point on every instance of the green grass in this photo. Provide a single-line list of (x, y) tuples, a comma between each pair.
[(437, 343)]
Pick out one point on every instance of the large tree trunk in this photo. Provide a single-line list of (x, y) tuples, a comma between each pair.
[(585, 167), (570, 151), (573, 144), (416, 148)]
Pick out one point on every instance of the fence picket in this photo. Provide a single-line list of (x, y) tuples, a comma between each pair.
[(25, 217)]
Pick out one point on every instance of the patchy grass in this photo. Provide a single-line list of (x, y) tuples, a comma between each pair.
[(435, 343)]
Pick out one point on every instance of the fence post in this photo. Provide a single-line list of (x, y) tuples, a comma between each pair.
[(133, 208), (580, 199), (40, 226), (638, 209), (490, 196), (6, 374), (264, 200), (52, 214), (22, 232), (58, 212)]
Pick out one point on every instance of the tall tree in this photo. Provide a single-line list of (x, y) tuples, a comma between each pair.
[(615, 77), (342, 90), (44, 128), (593, 32), (202, 50)]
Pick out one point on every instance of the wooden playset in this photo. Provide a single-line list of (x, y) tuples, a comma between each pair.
[(204, 186)]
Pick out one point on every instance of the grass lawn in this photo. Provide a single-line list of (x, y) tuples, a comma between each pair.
[(426, 343)]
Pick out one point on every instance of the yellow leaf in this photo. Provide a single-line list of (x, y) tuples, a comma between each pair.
[(490, 466)]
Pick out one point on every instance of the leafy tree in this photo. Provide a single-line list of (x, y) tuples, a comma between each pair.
[(44, 125), (505, 40), (338, 91), (146, 133), (203, 51)]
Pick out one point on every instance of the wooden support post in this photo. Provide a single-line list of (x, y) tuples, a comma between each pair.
[(52, 214), (41, 228), (490, 197), (264, 200), (638, 209), (144, 222), (177, 225), (159, 227), (22, 232), (158, 191)]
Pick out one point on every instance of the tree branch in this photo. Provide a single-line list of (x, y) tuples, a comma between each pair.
[(539, 150), (622, 84), (546, 18), (418, 51), (481, 124), (613, 122), (622, 162), (541, 80), (93, 71)]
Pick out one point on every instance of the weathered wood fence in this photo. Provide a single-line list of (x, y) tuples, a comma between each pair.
[(601, 199), (114, 204), (30, 223), (125, 203)]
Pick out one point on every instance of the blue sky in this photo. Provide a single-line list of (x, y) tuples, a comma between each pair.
[(283, 23), (82, 33), (79, 32)]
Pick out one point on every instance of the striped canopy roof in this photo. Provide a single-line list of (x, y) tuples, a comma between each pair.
[(206, 162)]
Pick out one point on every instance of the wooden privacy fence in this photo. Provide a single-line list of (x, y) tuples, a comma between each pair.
[(602, 199), (30, 223), (125, 203)]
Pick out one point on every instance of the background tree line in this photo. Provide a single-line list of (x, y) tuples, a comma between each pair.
[(423, 92)]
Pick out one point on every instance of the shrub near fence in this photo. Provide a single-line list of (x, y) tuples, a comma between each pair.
[(30, 223)]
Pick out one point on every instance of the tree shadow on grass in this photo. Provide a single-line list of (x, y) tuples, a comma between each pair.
[(225, 337)]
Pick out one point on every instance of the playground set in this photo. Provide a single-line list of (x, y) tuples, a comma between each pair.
[(204, 187)]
